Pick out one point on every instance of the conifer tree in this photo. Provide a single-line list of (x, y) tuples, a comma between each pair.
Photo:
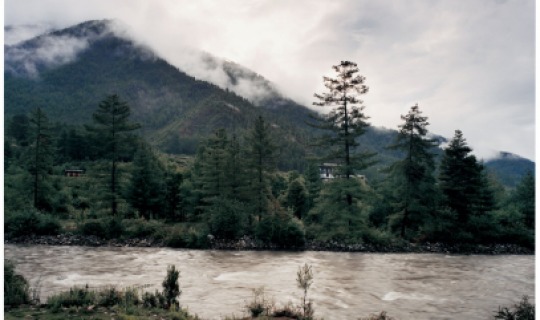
[(147, 188), (260, 161), (112, 127), (411, 179), (342, 126), (41, 154), (463, 182), (346, 121)]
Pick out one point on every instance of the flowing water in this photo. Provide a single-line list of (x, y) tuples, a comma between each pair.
[(346, 285)]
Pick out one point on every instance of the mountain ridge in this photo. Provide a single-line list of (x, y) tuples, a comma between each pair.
[(176, 108)]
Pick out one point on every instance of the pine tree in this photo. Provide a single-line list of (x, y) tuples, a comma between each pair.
[(112, 127), (346, 122), (260, 161), (40, 157), (343, 125), (463, 182), (411, 179), (214, 166), (147, 189)]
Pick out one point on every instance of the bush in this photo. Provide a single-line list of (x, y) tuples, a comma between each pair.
[(522, 311), (30, 223), (93, 228), (180, 237), (227, 219), (140, 228), (75, 297), (260, 304), (171, 288), (103, 228), (109, 297), (281, 230), (16, 291)]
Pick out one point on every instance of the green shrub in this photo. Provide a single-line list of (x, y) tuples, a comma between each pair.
[(378, 237), (140, 228), (171, 288), (109, 297), (192, 237), (103, 228), (93, 228), (16, 290), (227, 219), (522, 311), (30, 223), (75, 297), (282, 230)]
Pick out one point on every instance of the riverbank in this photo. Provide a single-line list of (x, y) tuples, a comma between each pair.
[(247, 243)]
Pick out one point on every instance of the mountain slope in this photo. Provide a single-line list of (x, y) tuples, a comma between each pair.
[(509, 168), (172, 106), (68, 72)]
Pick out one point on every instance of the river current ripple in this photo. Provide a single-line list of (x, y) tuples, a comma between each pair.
[(216, 284)]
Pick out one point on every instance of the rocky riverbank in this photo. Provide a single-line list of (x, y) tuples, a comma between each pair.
[(246, 243)]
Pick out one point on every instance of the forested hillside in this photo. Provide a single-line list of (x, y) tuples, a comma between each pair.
[(106, 139)]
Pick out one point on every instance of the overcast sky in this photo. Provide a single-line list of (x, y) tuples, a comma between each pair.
[(470, 65)]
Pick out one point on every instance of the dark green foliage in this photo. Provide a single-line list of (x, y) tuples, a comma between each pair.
[(109, 297), (75, 297), (19, 129), (147, 189), (333, 218), (227, 218), (171, 288), (173, 197), (523, 198), (260, 161), (16, 290), (112, 128), (140, 228), (313, 183), (296, 198), (522, 311), (22, 223), (187, 237), (282, 230), (109, 228), (411, 192), (39, 157), (464, 186)]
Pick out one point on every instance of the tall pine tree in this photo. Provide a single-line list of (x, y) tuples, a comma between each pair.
[(41, 156), (260, 162), (412, 181), (112, 127), (147, 188), (463, 183)]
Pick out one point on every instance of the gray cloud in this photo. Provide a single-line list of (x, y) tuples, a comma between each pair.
[(468, 64)]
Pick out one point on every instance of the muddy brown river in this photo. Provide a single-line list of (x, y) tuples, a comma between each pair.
[(216, 284)]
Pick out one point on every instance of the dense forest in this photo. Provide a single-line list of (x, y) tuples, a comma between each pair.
[(103, 179)]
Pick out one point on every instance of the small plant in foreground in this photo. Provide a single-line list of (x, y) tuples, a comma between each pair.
[(304, 280), (260, 305), (522, 311), (380, 316), (171, 288)]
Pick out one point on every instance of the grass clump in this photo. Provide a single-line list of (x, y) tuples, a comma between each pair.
[(524, 310)]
